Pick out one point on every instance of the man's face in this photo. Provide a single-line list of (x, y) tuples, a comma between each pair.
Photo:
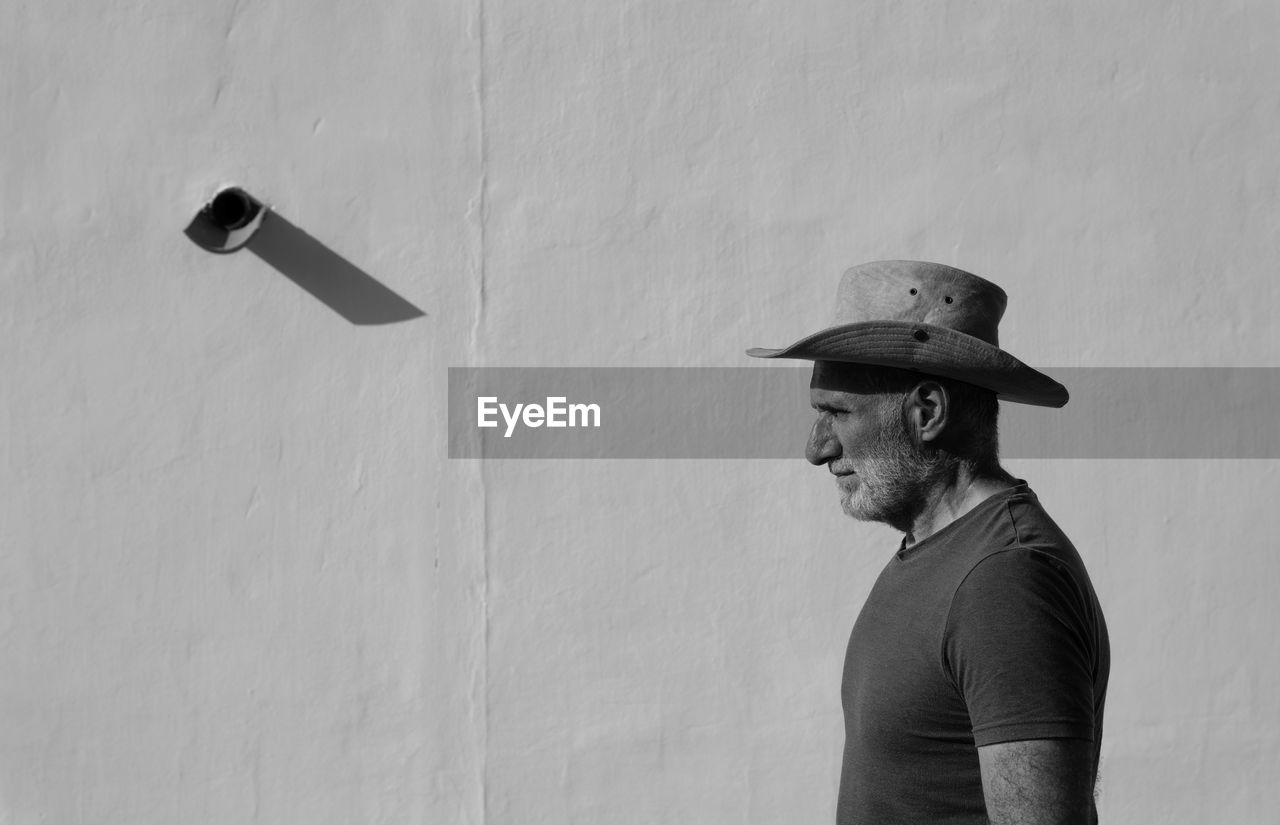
[(861, 438)]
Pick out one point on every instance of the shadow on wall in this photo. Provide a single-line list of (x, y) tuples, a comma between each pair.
[(329, 277)]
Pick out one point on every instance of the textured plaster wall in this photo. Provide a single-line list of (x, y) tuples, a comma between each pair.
[(241, 582)]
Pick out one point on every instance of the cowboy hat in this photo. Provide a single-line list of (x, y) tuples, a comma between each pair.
[(928, 318)]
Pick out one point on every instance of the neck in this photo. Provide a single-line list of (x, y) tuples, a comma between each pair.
[(951, 498)]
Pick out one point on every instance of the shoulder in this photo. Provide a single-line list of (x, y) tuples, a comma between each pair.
[(1020, 584), (1020, 598), (1017, 564), (1027, 547)]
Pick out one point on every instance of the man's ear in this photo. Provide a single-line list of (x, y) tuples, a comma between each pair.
[(925, 410)]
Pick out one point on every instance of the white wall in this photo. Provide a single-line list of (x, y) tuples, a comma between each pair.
[(241, 582)]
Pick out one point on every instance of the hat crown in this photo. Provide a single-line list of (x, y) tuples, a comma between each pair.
[(921, 292)]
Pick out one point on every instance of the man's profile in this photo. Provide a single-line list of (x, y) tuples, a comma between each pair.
[(976, 672)]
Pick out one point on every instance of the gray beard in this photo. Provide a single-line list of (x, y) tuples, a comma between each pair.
[(896, 477)]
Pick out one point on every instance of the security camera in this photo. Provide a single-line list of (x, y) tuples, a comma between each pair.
[(228, 221)]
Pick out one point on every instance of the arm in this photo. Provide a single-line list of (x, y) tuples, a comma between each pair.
[(1038, 782), (1022, 649)]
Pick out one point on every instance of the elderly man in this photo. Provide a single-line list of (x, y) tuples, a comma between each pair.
[(976, 673)]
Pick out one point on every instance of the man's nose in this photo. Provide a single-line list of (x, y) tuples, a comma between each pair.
[(822, 446)]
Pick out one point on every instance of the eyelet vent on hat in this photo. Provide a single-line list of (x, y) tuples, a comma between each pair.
[(914, 290), (920, 335), (948, 299)]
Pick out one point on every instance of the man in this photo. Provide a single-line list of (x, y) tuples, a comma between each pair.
[(976, 673)]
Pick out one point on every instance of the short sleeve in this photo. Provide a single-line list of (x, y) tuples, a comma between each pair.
[(1020, 647)]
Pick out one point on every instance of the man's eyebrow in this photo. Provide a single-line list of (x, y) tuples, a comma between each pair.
[(826, 406)]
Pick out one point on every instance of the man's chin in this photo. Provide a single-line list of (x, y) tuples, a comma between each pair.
[(858, 513), (859, 505), (852, 511), (854, 504)]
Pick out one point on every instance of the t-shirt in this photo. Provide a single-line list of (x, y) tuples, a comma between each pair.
[(987, 631)]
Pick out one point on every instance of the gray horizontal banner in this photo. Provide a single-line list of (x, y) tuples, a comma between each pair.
[(763, 412)]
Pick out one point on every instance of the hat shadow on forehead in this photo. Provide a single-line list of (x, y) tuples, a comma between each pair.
[(926, 318), (860, 379)]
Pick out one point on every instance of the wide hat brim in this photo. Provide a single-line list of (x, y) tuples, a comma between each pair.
[(928, 349)]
